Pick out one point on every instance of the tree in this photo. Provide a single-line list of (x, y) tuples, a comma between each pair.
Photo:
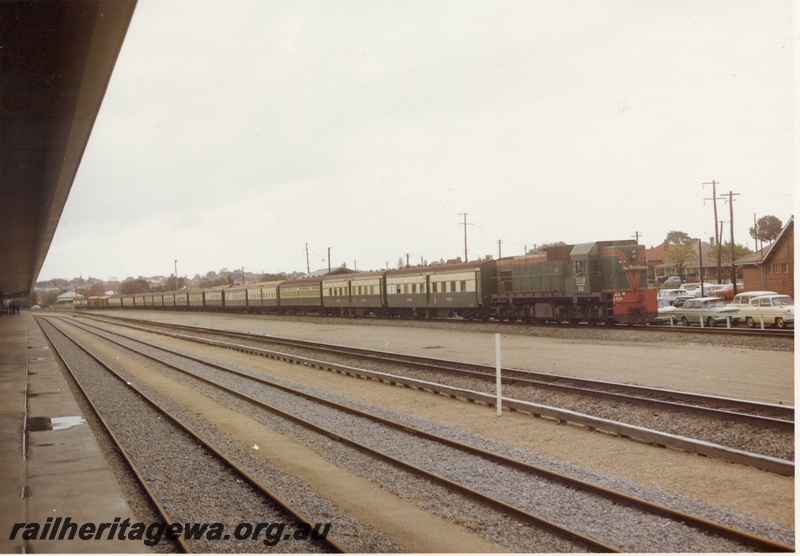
[(677, 238), (49, 297), (739, 251), (678, 255), (541, 248), (139, 285), (766, 229)]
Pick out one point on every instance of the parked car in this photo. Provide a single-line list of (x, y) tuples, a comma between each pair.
[(725, 291), (672, 282), (743, 299), (710, 311), (675, 297), (776, 309), (700, 291)]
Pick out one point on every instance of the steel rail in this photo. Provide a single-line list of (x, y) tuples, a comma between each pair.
[(656, 438), (641, 395), (328, 542), (524, 515), (738, 330), (629, 500), (120, 448)]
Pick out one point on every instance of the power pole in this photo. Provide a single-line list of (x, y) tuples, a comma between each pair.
[(733, 246), (636, 236), (499, 248), (464, 214), (329, 260), (717, 232), (308, 265)]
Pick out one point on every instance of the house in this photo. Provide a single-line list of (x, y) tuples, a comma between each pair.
[(661, 268), (772, 267), (64, 301)]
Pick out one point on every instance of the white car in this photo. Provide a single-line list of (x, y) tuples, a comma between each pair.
[(674, 297), (776, 309), (743, 299), (707, 311)]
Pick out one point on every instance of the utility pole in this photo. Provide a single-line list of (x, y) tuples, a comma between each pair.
[(464, 214), (176, 274), (755, 228), (717, 232), (308, 265), (733, 246), (499, 248), (636, 236), (329, 260)]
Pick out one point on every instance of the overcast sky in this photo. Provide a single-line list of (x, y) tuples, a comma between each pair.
[(233, 133)]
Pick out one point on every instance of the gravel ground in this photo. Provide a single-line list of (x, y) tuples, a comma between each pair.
[(717, 430), (197, 488), (632, 530)]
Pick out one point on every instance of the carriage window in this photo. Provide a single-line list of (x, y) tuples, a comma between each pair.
[(433, 287), (463, 285), (579, 268)]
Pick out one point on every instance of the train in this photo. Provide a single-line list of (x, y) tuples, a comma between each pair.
[(597, 282)]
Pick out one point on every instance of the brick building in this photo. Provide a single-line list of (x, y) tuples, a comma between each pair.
[(771, 268)]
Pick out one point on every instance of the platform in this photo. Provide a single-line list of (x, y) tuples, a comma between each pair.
[(50, 464)]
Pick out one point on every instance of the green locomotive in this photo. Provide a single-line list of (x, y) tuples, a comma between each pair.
[(600, 282)]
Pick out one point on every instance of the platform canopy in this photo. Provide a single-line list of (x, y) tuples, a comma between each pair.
[(56, 59)]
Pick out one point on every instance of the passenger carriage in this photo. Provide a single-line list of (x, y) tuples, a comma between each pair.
[(235, 297), (196, 300), (441, 290), (182, 299), (214, 299), (300, 295), (354, 294), (168, 300), (263, 296)]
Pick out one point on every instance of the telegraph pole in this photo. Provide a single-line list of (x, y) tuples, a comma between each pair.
[(308, 265), (464, 214), (717, 232), (499, 248), (733, 246), (636, 236)]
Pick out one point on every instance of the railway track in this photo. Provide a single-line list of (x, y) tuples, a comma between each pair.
[(664, 327), (246, 384), (114, 399), (742, 426)]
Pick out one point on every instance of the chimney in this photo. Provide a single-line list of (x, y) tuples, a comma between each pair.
[(711, 241)]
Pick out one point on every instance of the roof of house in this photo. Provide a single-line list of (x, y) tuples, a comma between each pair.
[(761, 256)]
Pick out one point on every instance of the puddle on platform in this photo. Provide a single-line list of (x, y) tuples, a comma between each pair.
[(36, 424)]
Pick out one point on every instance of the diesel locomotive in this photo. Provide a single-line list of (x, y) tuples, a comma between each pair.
[(599, 282)]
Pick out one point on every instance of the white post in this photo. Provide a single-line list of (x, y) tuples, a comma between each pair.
[(762, 322), (728, 320), (497, 366)]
